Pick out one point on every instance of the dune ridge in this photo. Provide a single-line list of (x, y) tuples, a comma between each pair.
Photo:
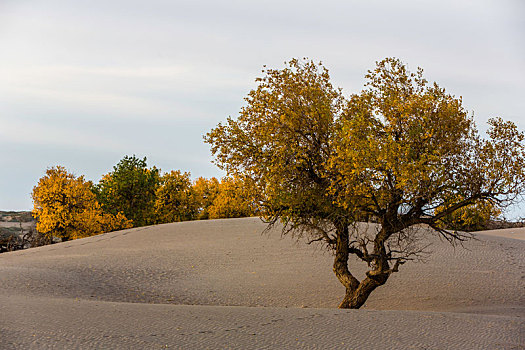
[(220, 283)]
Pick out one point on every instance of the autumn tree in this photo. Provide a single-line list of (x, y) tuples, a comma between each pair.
[(393, 153), (233, 200), (65, 207), (175, 198), (205, 192), (474, 217), (130, 188)]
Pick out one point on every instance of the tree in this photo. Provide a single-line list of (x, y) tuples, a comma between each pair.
[(12, 239), (175, 198), (233, 200), (393, 154), (65, 207), (474, 217), (205, 192), (130, 189)]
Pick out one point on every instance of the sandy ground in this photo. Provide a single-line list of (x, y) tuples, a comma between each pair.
[(223, 284), (515, 233)]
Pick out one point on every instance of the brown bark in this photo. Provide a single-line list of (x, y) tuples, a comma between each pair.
[(355, 298), (341, 259), (358, 292)]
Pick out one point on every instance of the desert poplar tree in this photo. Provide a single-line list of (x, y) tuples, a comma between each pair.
[(175, 198), (233, 200), (65, 207), (402, 153), (130, 188), (205, 191)]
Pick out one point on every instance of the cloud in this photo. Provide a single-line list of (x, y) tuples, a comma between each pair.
[(182, 92), (152, 76), (42, 133)]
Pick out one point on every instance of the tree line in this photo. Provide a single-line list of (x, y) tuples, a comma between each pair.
[(402, 153), (132, 195)]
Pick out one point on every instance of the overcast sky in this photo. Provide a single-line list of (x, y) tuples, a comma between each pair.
[(83, 83)]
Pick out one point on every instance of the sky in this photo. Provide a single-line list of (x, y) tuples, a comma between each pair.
[(84, 83)]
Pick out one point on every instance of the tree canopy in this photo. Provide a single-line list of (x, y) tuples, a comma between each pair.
[(402, 153), (205, 192), (233, 200), (175, 198), (65, 207), (130, 188), (69, 207)]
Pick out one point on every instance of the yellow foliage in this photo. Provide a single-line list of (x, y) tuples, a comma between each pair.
[(474, 217), (395, 151), (65, 207), (392, 153), (175, 198), (233, 200), (205, 191), (178, 200)]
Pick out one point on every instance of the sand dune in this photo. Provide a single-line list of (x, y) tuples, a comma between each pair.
[(221, 283), (514, 233)]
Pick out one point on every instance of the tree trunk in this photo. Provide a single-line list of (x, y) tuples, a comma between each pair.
[(341, 261), (355, 298), (357, 292)]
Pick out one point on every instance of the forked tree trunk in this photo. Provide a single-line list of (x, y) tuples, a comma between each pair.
[(355, 298), (356, 292)]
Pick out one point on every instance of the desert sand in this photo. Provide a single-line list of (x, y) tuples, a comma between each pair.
[(226, 284)]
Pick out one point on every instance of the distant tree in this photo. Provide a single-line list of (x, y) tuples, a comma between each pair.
[(233, 200), (22, 239), (130, 188), (11, 240), (65, 207), (393, 153), (175, 198), (474, 217), (205, 192)]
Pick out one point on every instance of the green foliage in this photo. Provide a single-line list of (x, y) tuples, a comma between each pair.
[(69, 207), (130, 189)]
